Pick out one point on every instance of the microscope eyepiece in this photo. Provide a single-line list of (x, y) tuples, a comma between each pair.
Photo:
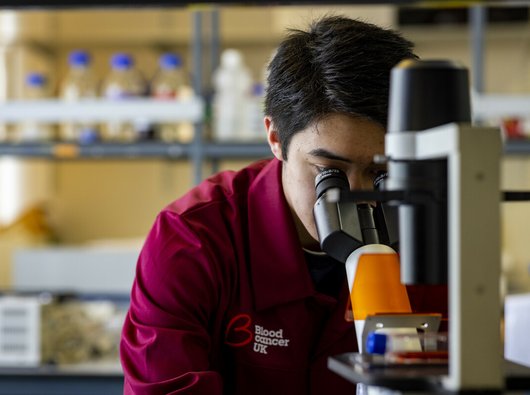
[(331, 178)]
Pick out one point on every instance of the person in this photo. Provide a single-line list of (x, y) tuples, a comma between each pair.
[(232, 294)]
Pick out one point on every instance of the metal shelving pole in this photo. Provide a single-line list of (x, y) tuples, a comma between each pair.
[(478, 19), (215, 53), (196, 146)]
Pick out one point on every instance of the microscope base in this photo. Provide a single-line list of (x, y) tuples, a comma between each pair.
[(359, 368)]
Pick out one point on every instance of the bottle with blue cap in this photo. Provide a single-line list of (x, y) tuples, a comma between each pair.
[(171, 83), (36, 87), (124, 82), (80, 84)]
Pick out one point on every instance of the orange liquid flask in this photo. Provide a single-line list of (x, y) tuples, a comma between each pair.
[(375, 286)]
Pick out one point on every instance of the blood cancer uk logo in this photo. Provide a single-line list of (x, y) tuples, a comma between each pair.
[(240, 332)]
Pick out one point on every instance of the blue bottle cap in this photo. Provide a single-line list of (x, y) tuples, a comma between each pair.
[(258, 89), (376, 343), (36, 79), (88, 136), (79, 58), (121, 61), (170, 61)]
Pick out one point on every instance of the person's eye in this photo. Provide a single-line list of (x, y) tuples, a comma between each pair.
[(320, 169)]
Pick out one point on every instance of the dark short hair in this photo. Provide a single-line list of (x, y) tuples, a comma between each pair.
[(340, 65)]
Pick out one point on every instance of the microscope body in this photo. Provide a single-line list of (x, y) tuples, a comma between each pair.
[(435, 153), (443, 174), (473, 155)]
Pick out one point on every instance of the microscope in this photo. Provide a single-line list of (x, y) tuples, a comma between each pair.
[(443, 180)]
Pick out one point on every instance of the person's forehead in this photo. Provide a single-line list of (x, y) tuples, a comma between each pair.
[(344, 122), (342, 136)]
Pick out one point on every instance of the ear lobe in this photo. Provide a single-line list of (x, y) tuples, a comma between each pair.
[(273, 138)]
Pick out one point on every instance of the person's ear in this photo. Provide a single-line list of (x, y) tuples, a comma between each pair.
[(273, 138)]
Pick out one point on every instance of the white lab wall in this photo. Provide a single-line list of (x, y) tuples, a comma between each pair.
[(23, 185), (516, 226), (112, 199)]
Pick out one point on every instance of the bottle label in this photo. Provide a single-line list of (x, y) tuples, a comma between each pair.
[(165, 94), (116, 93)]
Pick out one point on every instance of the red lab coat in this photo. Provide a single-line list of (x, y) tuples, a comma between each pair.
[(223, 302)]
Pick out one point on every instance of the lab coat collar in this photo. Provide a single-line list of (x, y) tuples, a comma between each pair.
[(278, 269)]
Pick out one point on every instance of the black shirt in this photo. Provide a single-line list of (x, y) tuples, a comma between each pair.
[(327, 273)]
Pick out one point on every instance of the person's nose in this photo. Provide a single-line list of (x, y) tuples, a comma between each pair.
[(359, 181)]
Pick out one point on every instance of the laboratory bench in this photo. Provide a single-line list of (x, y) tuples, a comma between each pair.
[(83, 379)]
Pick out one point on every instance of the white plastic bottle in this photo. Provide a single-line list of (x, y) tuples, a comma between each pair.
[(124, 82), (80, 83), (171, 83), (36, 88), (255, 128), (232, 84)]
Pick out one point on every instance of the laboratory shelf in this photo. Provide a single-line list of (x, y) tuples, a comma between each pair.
[(517, 147), (56, 380), (96, 151), (102, 110), (153, 149), (139, 150), (497, 106), (237, 150)]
